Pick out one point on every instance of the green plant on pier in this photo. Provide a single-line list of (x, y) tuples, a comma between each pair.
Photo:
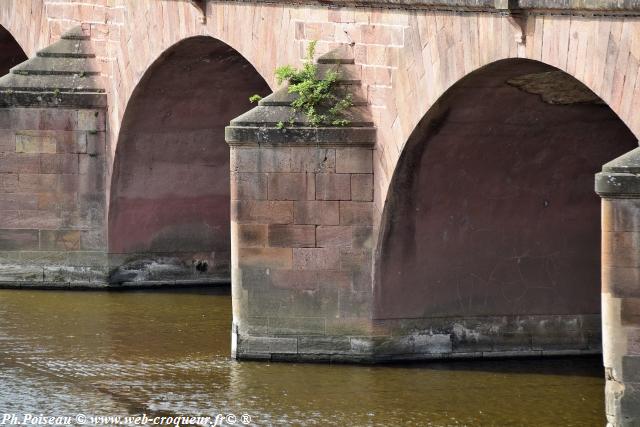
[(317, 97)]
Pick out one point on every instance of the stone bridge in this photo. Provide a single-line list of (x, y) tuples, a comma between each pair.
[(454, 217)]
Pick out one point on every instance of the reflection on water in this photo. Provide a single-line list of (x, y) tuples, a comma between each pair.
[(160, 353)]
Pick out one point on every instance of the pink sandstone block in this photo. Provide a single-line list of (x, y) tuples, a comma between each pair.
[(278, 258), (7, 141), (269, 212), (288, 186), (65, 240), (292, 236), (59, 163), (317, 212), (334, 236), (356, 213), (295, 279), (311, 159), (354, 160), (316, 259), (362, 187), (18, 201), (332, 186), (248, 186), (252, 235)]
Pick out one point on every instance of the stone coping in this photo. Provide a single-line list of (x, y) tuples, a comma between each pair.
[(551, 6), (324, 137), (63, 74)]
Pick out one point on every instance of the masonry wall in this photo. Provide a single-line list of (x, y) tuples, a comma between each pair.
[(52, 195), (409, 57)]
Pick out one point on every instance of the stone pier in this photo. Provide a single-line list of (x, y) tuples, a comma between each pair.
[(619, 186), (301, 223), (52, 173)]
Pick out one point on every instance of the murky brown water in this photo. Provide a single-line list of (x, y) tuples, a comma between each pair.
[(158, 353)]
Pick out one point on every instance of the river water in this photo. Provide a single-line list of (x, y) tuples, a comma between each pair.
[(167, 353)]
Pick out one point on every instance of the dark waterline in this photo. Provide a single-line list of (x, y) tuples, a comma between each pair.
[(167, 352)]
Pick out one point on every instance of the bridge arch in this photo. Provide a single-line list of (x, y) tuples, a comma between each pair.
[(169, 199), (491, 229)]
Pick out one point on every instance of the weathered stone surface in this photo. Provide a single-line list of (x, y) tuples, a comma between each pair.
[(316, 259), (355, 160), (31, 142), (331, 186), (334, 236), (317, 212), (19, 240), (324, 345), (362, 187), (310, 159), (356, 213), (273, 212), (251, 235), (292, 236), (278, 258), (289, 186), (248, 186)]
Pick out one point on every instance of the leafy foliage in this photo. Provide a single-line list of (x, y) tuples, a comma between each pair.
[(317, 97)]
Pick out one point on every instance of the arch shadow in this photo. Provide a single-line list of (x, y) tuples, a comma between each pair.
[(11, 54), (169, 213), (491, 227)]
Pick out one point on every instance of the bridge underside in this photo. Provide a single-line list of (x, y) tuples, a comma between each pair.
[(492, 229), (169, 211)]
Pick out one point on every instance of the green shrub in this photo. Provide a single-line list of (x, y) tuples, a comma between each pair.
[(317, 97)]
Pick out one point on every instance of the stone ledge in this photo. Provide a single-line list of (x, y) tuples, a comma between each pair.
[(620, 178), (359, 358), (300, 136), (76, 100), (343, 349)]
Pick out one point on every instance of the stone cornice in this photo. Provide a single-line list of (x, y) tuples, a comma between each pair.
[(600, 7), (620, 178)]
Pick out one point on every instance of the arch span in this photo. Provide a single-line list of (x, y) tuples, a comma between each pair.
[(491, 227), (169, 209)]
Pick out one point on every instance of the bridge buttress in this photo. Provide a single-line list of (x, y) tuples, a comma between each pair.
[(52, 128), (302, 206)]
